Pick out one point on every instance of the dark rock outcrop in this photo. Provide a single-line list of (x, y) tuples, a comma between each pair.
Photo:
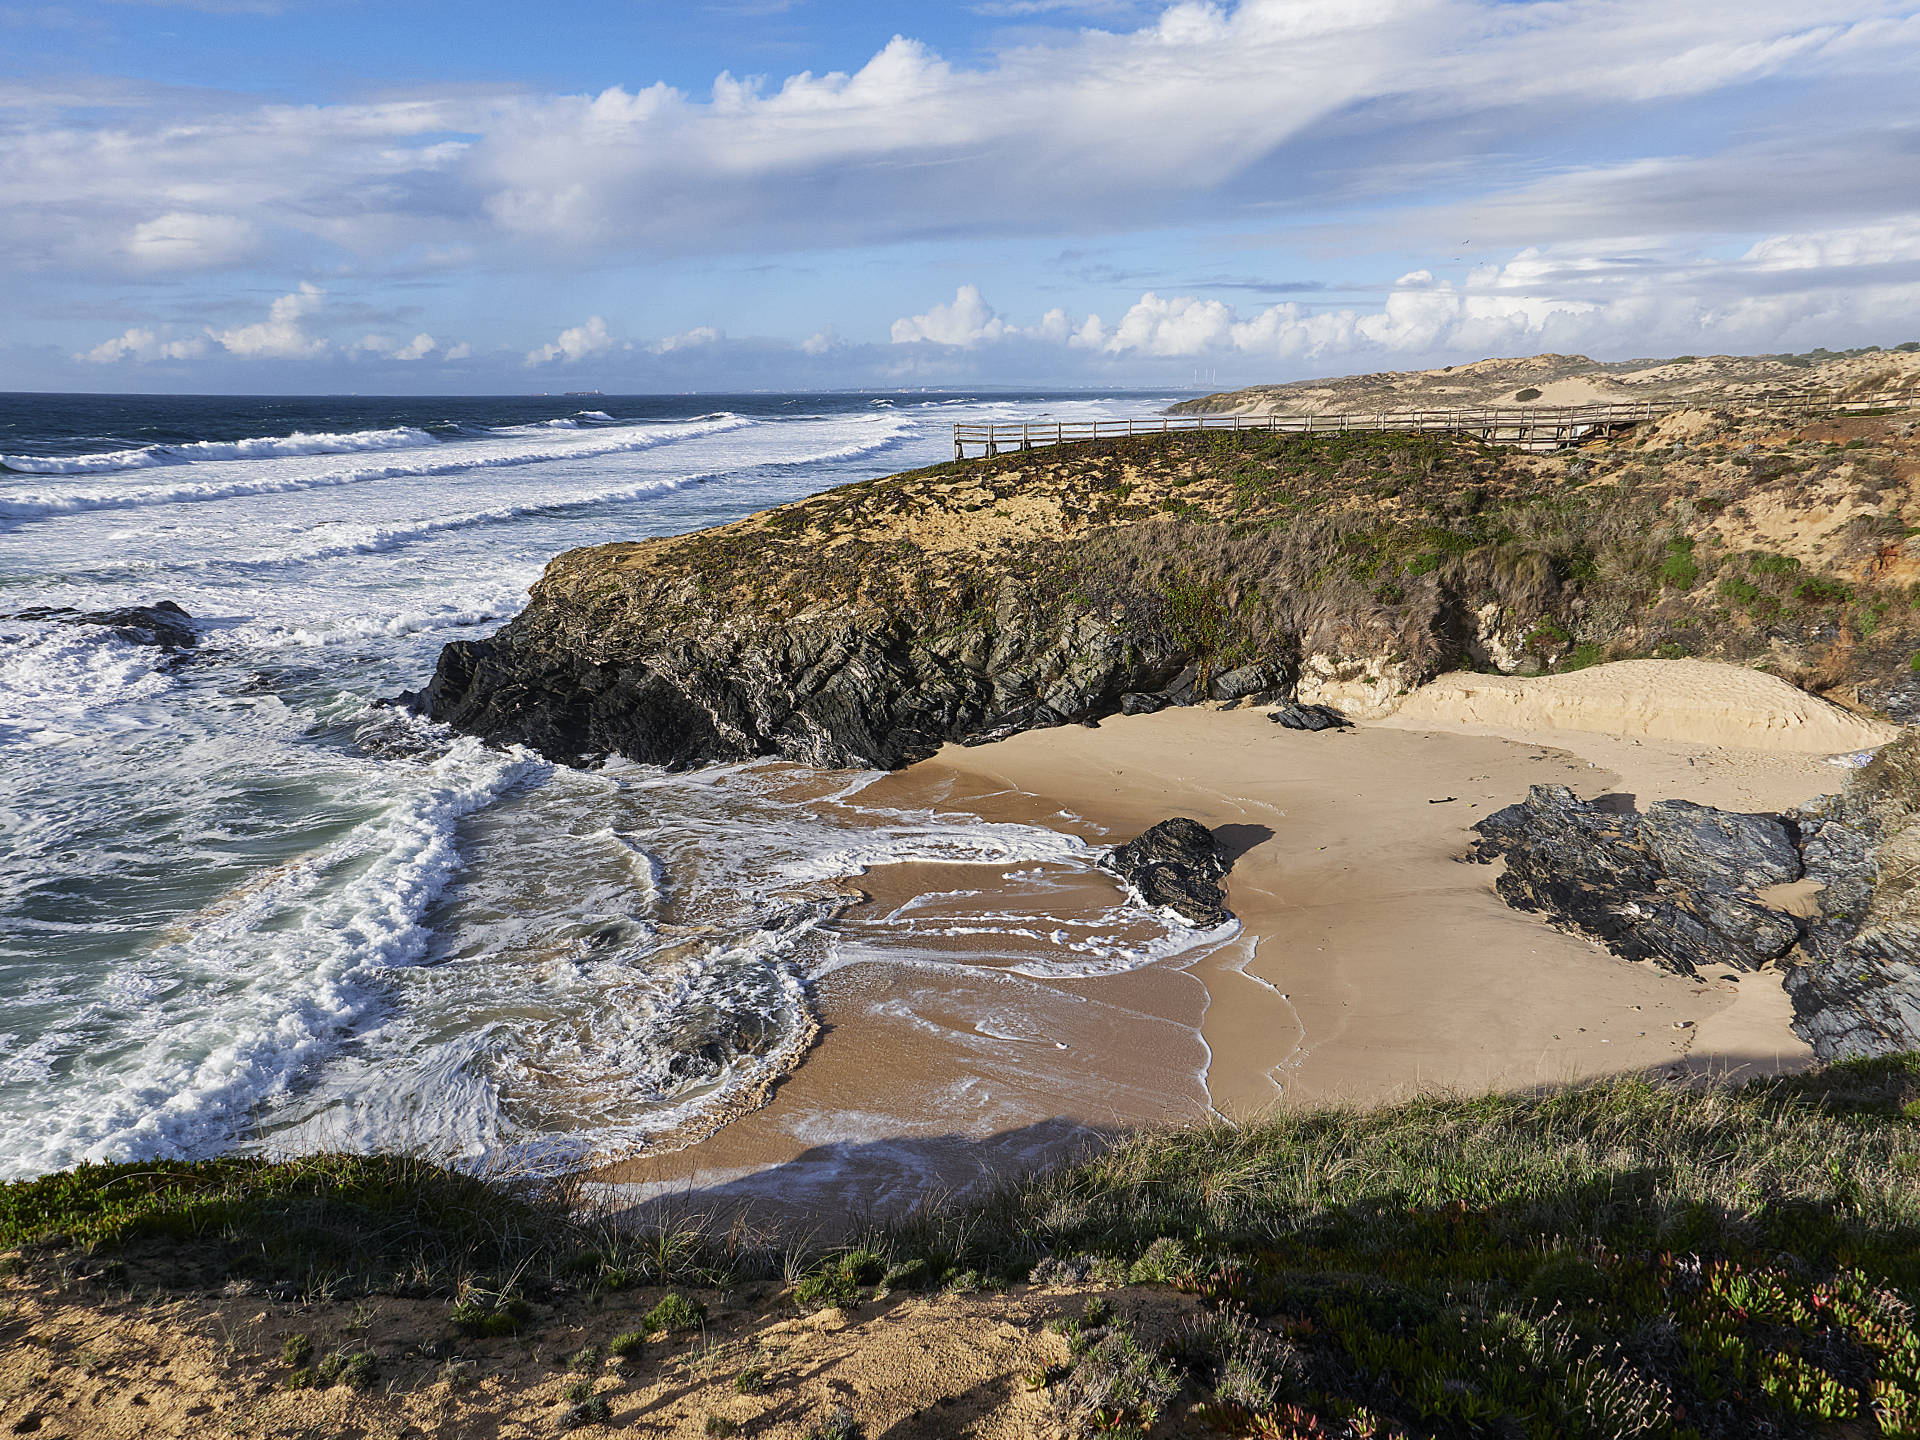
[(1309, 717), (164, 625), (1258, 683), (854, 689), (1856, 990), (1177, 866), (1672, 886), (1675, 886)]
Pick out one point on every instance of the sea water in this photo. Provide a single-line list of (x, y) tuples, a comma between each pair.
[(244, 905)]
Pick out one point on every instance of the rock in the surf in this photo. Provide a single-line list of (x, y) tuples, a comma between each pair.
[(164, 624), (1177, 866)]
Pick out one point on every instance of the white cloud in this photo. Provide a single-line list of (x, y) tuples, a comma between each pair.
[(418, 348), (139, 343), (967, 321), (184, 240), (687, 340), (1537, 300), (574, 344), (281, 335), (1127, 128), (462, 351)]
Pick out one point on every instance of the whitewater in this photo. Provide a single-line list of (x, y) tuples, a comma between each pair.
[(245, 904)]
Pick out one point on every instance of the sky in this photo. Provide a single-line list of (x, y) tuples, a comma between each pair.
[(303, 196)]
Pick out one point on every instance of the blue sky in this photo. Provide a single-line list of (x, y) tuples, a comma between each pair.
[(331, 195)]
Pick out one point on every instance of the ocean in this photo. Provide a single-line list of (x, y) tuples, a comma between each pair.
[(245, 906)]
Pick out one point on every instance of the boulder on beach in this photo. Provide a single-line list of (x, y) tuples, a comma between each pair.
[(1674, 886), (1309, 717), (1177, 866)]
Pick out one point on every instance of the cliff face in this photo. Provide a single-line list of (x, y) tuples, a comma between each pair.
[(868, 625)]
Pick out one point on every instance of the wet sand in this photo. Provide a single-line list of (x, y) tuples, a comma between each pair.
[(1373, 962)]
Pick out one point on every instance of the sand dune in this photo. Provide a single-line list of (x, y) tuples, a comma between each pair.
[(1699, 702)]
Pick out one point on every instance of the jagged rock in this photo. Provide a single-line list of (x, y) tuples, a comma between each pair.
[(1257, 682), (1309, 717), (852, 690), (1673, 886), (1856, 988), (1139, 704), (1700, 846), (1176, 865), (164, 624), (1665, 886)]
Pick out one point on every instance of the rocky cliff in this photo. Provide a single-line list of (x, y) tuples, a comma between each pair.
[(870, 624)]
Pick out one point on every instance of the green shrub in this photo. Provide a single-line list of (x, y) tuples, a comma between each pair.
[(355, 1368), (1817, 590), (627, 1344), (490, 1312), (1117, 1382), (586, 1408), (675, 1312), (838, 1282), (1583, 655), (1679, 570), (1523, 396), (1166, 1262)]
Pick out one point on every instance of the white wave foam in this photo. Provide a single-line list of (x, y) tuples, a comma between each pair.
[(44, 505), (204, 451), (981, 843), (61, 682), (276, 982)]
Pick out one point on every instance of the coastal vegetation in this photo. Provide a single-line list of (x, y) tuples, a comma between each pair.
[(1616, 1259), (983, 596)]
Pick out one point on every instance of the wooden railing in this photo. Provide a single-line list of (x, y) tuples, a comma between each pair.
[(1536, 427)]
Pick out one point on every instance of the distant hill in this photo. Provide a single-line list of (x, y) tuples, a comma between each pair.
[(1574, 380)]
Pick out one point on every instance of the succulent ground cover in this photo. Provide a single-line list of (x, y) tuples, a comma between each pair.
[(1612, 1260)]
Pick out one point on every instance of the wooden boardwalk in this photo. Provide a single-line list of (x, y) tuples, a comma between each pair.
[(1529, 427)]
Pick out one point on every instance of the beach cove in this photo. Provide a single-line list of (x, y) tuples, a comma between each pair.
[(1371, 962)]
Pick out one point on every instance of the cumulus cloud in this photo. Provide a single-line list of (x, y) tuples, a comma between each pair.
[(687, 340), (1818, 285), (418, 348), (281, 336), (576, 343), (139, 343), (966, 321)]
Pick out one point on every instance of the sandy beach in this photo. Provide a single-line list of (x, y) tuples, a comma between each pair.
[(1371, 963)]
